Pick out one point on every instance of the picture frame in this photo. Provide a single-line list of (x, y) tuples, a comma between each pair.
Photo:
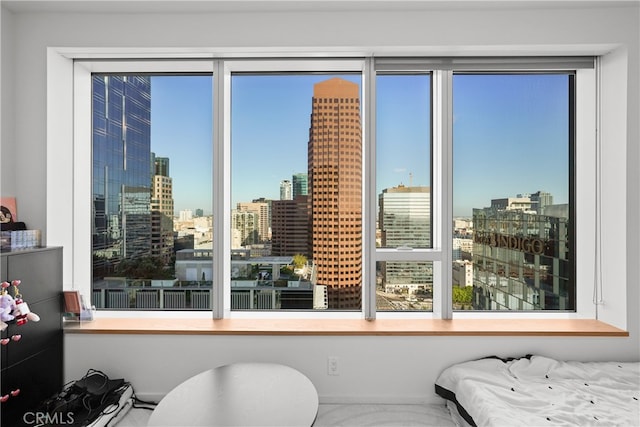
[(8, 210), (72, 302)]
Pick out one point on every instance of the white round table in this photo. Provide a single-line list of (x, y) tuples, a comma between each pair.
[(240, 394)]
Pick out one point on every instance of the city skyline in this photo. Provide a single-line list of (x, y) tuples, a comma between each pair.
[(504, 125), (130, 219)]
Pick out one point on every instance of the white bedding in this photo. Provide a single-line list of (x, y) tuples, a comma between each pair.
[(539, 391)]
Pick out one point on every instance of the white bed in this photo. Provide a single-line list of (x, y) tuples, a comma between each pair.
[(539, 391)]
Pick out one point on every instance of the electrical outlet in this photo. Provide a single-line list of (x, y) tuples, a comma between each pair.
[(332, 366)]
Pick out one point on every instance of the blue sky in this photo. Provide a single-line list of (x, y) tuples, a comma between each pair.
[(181, 129), (510, 134), (270, 118)]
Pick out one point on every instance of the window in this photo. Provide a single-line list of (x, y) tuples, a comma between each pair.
[(403, 188), (513, 219), (296, 247), (140, 124), (152, 193), (369, 186)]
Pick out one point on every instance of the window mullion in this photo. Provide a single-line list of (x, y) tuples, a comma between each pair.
[(220, 178), (443, 190), (370, 200)]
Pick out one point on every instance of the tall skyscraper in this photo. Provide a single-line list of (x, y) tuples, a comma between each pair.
[(121, 170), (161, 210), (335, 189), (299, 183), (405, 220)]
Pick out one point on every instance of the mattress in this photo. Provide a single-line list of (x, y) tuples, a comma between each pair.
[(540, 391)]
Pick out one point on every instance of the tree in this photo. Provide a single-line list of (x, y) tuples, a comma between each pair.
[(299, 260), (462, 295), (146, 267)]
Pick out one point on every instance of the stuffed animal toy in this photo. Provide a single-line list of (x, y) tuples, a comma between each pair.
[(14, 309), (7, 305), (5, 312)]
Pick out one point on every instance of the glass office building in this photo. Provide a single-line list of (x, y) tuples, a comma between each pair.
[(300, 186), (405, 221), (121, 170), (521, 260)]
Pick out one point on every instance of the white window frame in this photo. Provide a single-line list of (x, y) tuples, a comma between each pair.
[(223, 275), (74, 232), (80, 234), (441, 189), (442, 70)]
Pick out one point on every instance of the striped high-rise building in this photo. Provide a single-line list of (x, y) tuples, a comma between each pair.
[(161, 209), (262, 210), (335, 190)]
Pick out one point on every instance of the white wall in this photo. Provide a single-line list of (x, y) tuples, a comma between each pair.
[(372, 368)]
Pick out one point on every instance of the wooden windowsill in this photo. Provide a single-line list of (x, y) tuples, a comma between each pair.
[(349, 327)]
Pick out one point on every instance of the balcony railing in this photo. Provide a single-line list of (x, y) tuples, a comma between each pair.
[(130, 294), (127, 294)]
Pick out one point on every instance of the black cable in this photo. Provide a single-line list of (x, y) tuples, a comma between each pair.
[(139, 404), (136, 399), (119, 409), (108, 401)]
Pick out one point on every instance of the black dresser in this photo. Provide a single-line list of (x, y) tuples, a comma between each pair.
[(33, 364)]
